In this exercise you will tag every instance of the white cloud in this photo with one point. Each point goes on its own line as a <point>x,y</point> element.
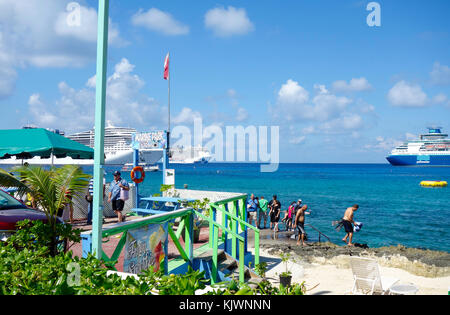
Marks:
<point>292,93</point>
<point>35,33</point>
<point>37,108</point>
<point>309,130</point>
<point>126,104</point>
<point>355,85</point>
<point>327,106</point>
<point>228,22</point>
<point>297,140</point>
<point>293,103</point>
<point>8,75</point>
<point>231,93</point>
<point>34,99</point>
<point>440,98</point>
<point>87,29</point>
<point>92,82</point>
<point>321,114</point>
<point>242,114</point>
<point>440,75</point>
<point>186,116</point>
<point>407,95</point>
<point>159,21</point>
<point>342,124</point>
<point>383,144</point>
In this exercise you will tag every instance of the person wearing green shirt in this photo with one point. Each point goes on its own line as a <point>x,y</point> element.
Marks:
<point>263,207</point>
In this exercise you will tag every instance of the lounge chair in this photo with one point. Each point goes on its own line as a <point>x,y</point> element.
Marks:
<point>367,279</point>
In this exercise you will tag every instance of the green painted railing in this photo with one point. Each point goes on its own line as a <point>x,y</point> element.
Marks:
<point>187,219</point>
<point>230,224</point>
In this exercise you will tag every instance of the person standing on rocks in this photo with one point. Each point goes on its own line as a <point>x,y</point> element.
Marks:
<point>300,224</point>
<point>274,213</point>
<point>347,223</point>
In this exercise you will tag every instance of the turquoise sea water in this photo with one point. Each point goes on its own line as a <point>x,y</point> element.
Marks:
<point>394,208</point>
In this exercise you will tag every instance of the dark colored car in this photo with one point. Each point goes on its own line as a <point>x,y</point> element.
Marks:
<point>13,211</point>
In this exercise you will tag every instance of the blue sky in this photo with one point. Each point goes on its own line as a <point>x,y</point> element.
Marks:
<point>340,91</point>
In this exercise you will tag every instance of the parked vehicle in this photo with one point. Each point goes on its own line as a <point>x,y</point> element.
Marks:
<point>13,211</point>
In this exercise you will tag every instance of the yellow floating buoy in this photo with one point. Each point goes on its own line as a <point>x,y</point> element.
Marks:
<point>433,183</point>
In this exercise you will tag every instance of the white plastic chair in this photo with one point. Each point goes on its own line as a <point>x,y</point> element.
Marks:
<point>367,278</point>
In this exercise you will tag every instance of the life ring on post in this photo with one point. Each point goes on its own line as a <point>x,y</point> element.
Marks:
<point>138,174</point>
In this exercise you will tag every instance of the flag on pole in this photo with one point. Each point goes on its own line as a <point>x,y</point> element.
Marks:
<point>166,68</point>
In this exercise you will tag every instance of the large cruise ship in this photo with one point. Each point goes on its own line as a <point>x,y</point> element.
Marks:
<point>118,150</point>
<point>431,149</point>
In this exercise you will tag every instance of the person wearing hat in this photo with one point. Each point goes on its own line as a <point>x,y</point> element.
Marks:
<point>115,188</point>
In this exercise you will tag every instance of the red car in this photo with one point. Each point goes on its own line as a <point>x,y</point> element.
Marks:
<point>13,211</point>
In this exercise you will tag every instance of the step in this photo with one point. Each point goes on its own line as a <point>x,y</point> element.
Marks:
<point>227,264</point>
<point>207,255</point>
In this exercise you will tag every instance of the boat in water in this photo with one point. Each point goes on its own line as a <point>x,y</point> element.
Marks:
<point>431,149</point>
<point>147,168</point>
<point>189,155</point>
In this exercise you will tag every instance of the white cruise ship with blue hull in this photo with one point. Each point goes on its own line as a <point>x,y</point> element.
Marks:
<point>432,149</point>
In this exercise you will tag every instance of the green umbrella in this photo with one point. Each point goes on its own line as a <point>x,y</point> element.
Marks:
<point>28,143</point>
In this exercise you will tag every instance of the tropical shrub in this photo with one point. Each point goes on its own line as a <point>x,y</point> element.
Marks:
<point>51,190</point>
<point>34,235</point>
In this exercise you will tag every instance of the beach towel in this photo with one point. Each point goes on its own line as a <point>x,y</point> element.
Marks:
<point>357,227</point>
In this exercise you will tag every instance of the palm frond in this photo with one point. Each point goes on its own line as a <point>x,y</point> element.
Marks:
<point>69,180</point>
<point>10,181</point>
<point>42,188</point>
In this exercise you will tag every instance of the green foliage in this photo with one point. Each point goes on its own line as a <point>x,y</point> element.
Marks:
<point>262,288</point>
<point>200,206</point>
<point>165,188</point>
<point>50,189</point>
<point>28,272</point>
<point>27,268</point>
<point>285,258</point>
<point>33,272</point>
<point>34,235</point>
<point>186,284</point>
<point>261,269</point>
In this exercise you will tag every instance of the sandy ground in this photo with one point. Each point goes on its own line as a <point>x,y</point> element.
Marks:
<point>337,279</point>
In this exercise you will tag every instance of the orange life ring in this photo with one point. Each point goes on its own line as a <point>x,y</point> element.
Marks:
<point>134,178</point>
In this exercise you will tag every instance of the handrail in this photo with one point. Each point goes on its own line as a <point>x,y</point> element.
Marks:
<point>121,227</point>
<point>217,207</point>
<point>231,199</point>
<point>218,225</point>
<point>214,266</point>
<point>124,227</point>
<point>320,233</point>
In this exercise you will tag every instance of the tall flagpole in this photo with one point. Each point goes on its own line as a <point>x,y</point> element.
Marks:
<point>167,155</point>
<point>168,82</point>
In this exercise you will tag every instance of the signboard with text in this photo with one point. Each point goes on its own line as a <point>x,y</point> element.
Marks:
<point>144,248</point>
<point>149,140</point>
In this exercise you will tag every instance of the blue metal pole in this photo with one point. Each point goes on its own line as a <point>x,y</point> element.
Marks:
<point>99,157</point>
<point>136,163</point>
<point>165,157</point>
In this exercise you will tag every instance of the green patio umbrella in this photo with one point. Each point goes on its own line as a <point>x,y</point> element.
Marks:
<point>28,143</point>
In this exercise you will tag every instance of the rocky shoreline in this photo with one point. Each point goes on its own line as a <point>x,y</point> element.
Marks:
<point>427,263</point>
